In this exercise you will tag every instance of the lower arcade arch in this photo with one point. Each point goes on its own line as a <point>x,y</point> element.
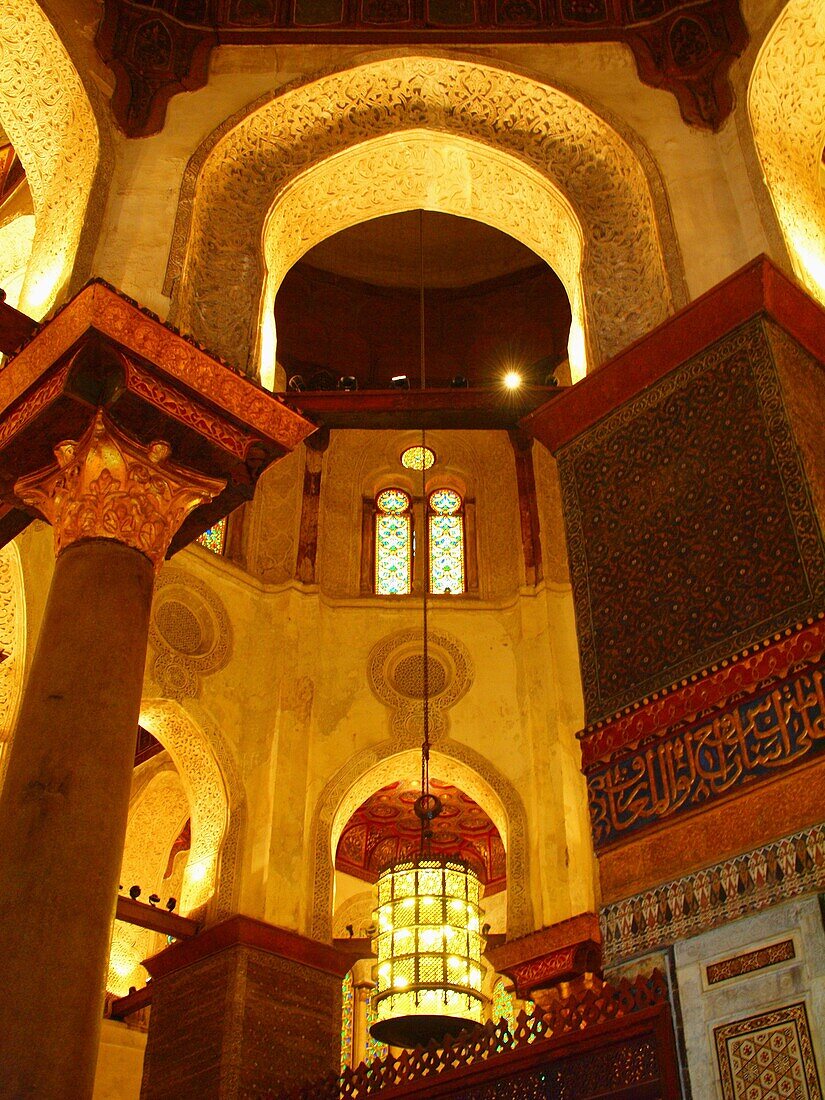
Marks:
<point>181,821</point>
<point>451,763</point>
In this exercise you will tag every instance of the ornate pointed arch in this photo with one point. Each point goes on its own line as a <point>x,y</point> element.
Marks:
<point>373,768</point>
<point>46,112</point>
<point>460,136</point>
<point>215,799</point>
<point>786,106</point>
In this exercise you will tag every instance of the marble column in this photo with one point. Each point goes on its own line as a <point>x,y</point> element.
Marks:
<point>115,505</point>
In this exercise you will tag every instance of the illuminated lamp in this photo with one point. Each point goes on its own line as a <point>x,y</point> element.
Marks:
<point>428,923</point>
<point>429,946</point>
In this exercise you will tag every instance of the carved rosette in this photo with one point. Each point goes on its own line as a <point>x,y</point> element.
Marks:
<point>108,486</point>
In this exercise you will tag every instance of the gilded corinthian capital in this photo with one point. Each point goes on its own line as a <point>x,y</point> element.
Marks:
<point>106,485</point>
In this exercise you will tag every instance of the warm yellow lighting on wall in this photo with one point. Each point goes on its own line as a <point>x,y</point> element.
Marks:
<point>429,948</point>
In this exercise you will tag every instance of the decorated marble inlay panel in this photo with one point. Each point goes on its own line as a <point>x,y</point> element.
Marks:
<point>690,526</point>
<point>750,962</point>
<point>709,759</point>
<point>768,1056</point>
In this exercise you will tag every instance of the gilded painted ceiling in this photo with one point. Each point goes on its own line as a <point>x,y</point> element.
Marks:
<point>385,828</point>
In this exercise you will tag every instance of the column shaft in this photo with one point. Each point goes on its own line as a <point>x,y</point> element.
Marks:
<point>63,812</point>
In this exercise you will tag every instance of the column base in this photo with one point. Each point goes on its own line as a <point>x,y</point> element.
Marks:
<point>244,1009</point>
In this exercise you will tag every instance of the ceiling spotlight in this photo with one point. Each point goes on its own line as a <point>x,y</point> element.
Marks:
<point>399,382</point>
<point>171,903</point>
<point>459,382</point>
<point>348,382</point>
<point>134,892</point>
<point>296,383</point>
<point>512,379</point>
<point>153,899</point>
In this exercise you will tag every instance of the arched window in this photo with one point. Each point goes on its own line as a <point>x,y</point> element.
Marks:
<point>393,543</point>
<point>445,526</point>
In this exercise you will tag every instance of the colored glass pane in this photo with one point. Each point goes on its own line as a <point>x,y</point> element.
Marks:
<point>393,543</point>
<point>375,1050</point>
<point>392,555</point>
<point>393,501</point>
<point>214,537</point>
<point>446,542</point>
<point>504,1006</point>
<point>347,1008</point>
<point>445,501</point>
<point>418,458</point>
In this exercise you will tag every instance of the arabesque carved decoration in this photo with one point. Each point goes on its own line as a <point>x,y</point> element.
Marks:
<point>452,762</point>
<point>190,633</point>
<point>194,756</point>
<point>160,47</point>
<point>457,134</point>
<point>451,673</point>
<point>106,485</point>
<point>786,103</point>
<point>49,120</point>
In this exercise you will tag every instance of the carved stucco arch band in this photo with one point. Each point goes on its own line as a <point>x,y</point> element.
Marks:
<point>786,104</point>
<point>47,115</point>
<point>481,123</point>
<point>452,762</point>
<point>201,776</point>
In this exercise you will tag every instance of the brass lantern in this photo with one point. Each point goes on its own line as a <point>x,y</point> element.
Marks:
<point>429,946</point>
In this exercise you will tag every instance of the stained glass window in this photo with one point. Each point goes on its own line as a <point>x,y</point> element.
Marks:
<point>446,524</point>
<point>417,458</point>
<point>347,1007</point>
<point>393,543</point>
<point>375,1050</point>
<point>214,537</point>
<point>504,1006</point>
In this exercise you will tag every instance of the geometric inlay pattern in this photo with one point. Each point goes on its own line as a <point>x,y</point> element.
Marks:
<point>750,962</point>
<point>768,1057</point>
<point>690,525</point>
<point>715,895</point>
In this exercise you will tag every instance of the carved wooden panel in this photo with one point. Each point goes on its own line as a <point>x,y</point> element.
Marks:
<point>160,47</point>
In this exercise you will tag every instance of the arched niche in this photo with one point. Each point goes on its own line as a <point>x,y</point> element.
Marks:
<point>452,762</point>
<point>158,812</point>
<point>206,792</point>
<point>47,115</point>
<point>786,107</point>
<point>459,136</point>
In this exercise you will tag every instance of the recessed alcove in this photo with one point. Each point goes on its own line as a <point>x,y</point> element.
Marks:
<point>351,306</point>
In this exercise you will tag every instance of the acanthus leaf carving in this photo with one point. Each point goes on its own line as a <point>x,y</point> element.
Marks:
<point>106,485</point>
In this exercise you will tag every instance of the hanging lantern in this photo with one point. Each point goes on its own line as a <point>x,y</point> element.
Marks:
<point>429,946</point>
<point>428,943</point>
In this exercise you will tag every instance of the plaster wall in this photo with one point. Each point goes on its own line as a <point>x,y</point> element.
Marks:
<point>119,1062</point>
<point>292,700</point>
